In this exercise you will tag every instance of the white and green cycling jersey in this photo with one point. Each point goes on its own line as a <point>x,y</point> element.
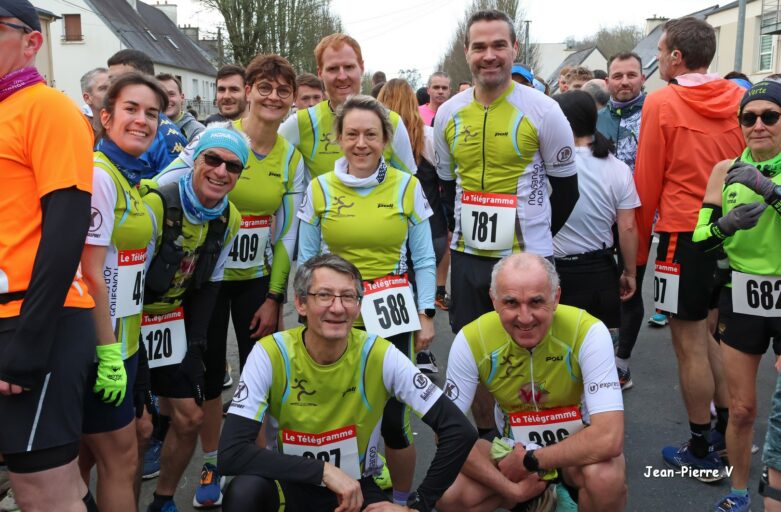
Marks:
<point>312,132</point>
<point>329,412</point>
<point>501,157</point>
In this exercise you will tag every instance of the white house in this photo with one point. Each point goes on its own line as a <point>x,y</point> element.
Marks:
<point>90,31</point>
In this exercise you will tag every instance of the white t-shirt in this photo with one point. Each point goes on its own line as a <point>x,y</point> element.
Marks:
<point>606,186</point>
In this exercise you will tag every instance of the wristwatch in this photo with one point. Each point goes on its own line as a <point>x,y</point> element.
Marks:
<point>530,462</point>
<point>430,312</point>
<point>414,502</point>
<point>279,298</point>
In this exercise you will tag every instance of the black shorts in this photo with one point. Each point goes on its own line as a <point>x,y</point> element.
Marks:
<point>51,416</point>
<point>592,284</point>
<point>101,417</point>
<point>749,334</point>
<point>312,498</point>
<point>470,281</point>
<point>697,271</point>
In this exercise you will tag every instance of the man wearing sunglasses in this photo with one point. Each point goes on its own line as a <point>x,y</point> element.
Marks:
<point>687,127</point>
<point>321,389</point>
<point>182,283</point>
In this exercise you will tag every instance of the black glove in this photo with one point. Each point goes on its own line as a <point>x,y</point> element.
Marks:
<point>193,368</point>
<point>749,176</point>
<point>743,216</point>
<point>142,389</point>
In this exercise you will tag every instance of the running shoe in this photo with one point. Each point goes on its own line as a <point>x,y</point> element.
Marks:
<point>658,320</point>
<point>625,379</point>
<point>227,380</point>
<point>707,469</point>
<point>209,490</point>
<point>383,480</point>
<point>426,362</point>
<point>168,506</point>
<point>8,504</point>
<point>442,301</point>
<point>719,445</point>
<point>733,503</point>
<point>152,459</point>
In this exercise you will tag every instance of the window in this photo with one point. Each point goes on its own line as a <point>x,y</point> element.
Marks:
<point>72,24</point>
<point>765,50</point>
<point>172,42</point>
<point>150,34</point>
<point>195,87</point>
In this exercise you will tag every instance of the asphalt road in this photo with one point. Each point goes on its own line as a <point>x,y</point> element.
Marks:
<point>655,417</point>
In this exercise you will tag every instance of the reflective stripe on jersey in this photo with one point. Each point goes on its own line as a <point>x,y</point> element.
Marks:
<point>132,232</point>
<point>318,144</point>
<point>522,380</point>
<point>510,147</point>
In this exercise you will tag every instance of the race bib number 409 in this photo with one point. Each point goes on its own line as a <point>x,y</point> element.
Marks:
<point>250,242</point>
<point>546,427</point>
<point>388,307</point>
<point>338,447</point>
<point>667,277</point>
<point>756,295</point>
<point>488,220</point>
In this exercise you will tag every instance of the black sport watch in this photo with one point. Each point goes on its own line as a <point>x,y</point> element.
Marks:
<point>414,502</point>
<point>430,312</point>
<point>530,462</point>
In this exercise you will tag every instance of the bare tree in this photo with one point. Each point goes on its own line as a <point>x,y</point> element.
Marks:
<point>291,28</point>
<point>611,40</point>
<point>453,62</point>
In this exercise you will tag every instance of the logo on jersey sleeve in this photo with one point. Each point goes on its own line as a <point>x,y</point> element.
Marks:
<point>95,221</point>
<point>451,390</point>
<point>594,388</point>
<point>564,154</point>
<point>420,381</point>
<point>241,393</point>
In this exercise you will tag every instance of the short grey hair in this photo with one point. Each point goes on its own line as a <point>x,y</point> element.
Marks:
<point>88,79</point>
<point>440,74</point>
<point>525,260</point>
<point>306,271</point>
<point>363,102</point>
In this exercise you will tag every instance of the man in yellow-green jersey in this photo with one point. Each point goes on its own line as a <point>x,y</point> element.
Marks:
<point>340,67</point>
<point>552,372</point>
<point>321,390</point>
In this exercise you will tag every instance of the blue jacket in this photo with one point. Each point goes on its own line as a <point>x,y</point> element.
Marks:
<point>622,126</point>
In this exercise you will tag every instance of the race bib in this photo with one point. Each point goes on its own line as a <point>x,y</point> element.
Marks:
<point>388,307</point>
<point>163,336</point>
<point>130,282</point>
<point>756,295</point>
<point>488,220</point>
<point>667,277</point>
<point>250,242</point>
<point>546,427</point>
<point>338,447</point>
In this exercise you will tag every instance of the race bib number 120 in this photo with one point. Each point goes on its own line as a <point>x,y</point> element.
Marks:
<point>667,277</point>
<point>488,220</point>
<point>164,338</point>
<point>546,427</point>
<point>388,307</point>
<point>338,447</point>
<point>756,295</point>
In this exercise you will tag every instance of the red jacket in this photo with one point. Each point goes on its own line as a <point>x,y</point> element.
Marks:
<point>685,131</point>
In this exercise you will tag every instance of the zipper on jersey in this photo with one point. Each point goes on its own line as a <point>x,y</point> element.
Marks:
<point>485,120</point>
<point>531,371</point>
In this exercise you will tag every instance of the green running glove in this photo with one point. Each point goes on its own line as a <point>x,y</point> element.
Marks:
<point>111,381</point>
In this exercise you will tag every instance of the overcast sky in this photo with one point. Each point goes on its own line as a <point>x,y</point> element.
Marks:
<point>403,34</point>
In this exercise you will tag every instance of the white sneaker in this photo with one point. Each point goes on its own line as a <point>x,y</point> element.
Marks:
<point>8,504</point>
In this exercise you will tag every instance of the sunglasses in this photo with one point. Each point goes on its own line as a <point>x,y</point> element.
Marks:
<point>283,91</point>
<point>231,166</point>
<point>769,118</point>
<point>23,28</point>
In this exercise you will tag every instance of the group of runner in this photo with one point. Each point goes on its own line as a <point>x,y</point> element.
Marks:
<point>119,279</point>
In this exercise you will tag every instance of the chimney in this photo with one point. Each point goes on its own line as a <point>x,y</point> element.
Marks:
<point>190,32</point>
<point>168,9</point>
<point>653,22</point>
<point>133,4</point>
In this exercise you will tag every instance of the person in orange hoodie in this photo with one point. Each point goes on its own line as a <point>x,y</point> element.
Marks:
<point>687,127</point>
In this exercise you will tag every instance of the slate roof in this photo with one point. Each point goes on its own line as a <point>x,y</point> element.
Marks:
<point>647,47</point>
<point>573,60</point>
<point>152,32</point>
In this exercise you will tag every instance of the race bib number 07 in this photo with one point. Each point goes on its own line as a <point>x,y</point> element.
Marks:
<point>488,220</point>
<point>163,337</point>
<point>130,282</point>
<point>250,242</point>
<point>388,307</point>
<point>338,447</point>
<point>546,427</point>
<point>756,295</point>
<point>667,277</point>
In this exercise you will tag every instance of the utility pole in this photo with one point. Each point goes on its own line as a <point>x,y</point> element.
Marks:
<point>526,42</point>
<point>739,37</point>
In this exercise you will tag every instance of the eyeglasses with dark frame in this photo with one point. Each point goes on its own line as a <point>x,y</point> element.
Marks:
<point>326,299</point>
<point>231,166</point>
<point>283,91</point>
<point>23,28</point>
<point>768,117</point>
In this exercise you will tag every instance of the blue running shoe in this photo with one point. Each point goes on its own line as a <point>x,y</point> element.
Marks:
<point>209,490</point>
<point>733,503</point>
<point>658,320</point>
<point>707,469</point>
<point>169,506</point>
<point>152,459</point>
